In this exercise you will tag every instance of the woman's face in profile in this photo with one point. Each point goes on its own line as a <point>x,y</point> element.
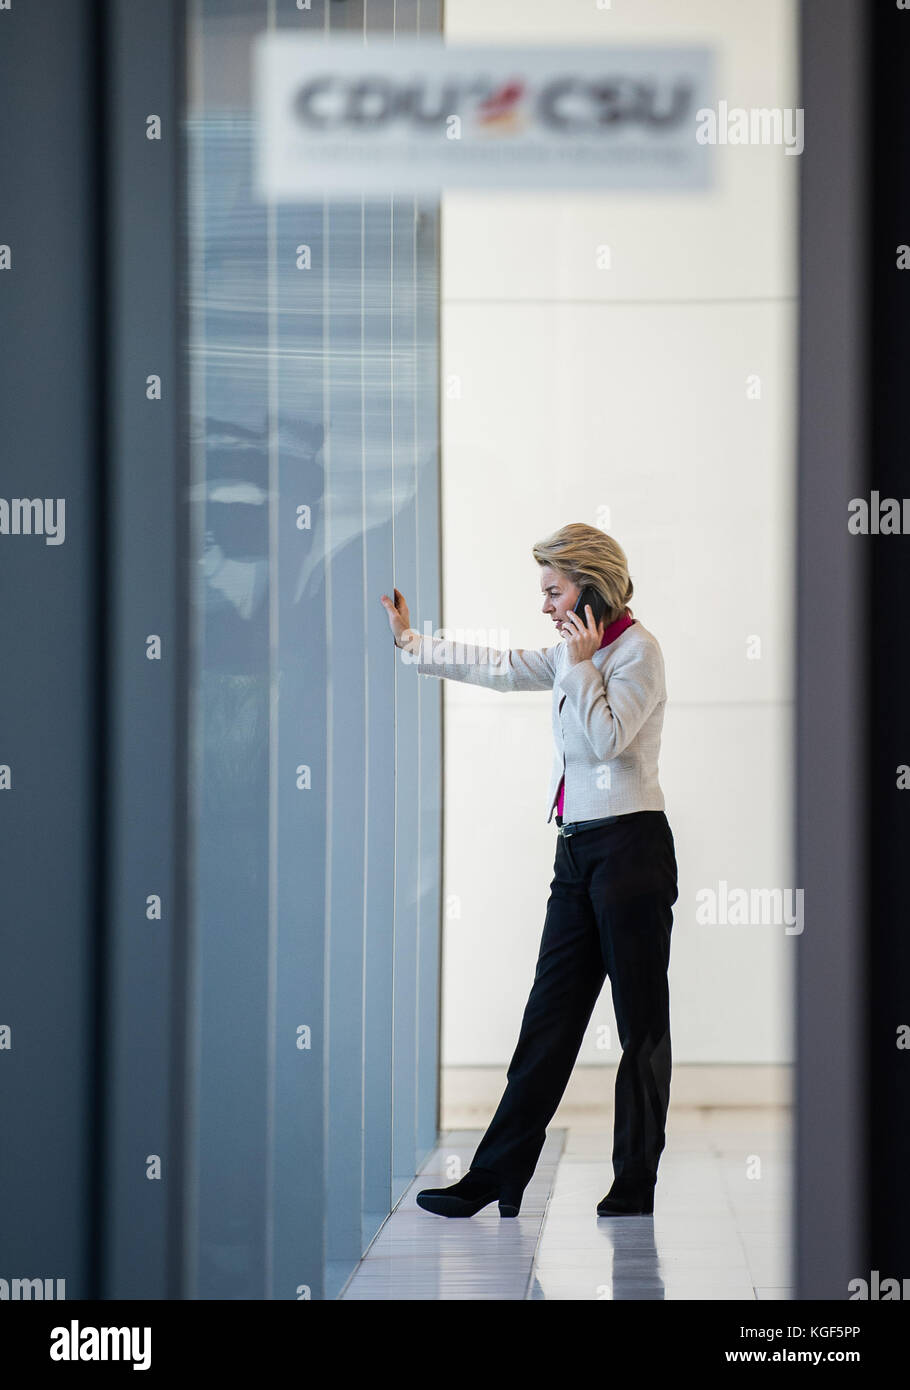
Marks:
<point>559,595</point>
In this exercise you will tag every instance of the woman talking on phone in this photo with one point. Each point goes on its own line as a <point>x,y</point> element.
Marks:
<point>615,879</point>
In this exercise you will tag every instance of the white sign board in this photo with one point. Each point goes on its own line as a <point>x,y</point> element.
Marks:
<point>338,116</point>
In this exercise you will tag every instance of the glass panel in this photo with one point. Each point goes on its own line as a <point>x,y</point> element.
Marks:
<point>316,877</point>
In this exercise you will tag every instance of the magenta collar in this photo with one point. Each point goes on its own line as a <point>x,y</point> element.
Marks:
<point>612,632</point>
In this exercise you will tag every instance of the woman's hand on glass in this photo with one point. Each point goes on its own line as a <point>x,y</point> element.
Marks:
<point>399,617</point>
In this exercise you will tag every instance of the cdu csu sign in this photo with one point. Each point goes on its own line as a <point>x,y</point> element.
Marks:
<point>337,116</point>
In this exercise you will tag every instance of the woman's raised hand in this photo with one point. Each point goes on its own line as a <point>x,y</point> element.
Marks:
<point>399,617</point>
<point>582,638</point>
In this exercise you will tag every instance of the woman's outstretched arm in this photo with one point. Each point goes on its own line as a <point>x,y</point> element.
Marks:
<point>515,668</point>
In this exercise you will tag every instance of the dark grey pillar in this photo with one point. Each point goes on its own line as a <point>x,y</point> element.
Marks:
<point>52,640</point>
<point>831,790</point>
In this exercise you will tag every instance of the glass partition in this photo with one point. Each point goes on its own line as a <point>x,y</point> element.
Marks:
<point>315,771</point>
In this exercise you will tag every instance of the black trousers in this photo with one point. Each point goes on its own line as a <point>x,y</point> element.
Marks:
<point>609,913</point>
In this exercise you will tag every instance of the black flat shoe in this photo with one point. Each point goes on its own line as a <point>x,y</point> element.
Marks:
<point>626,1206</point>
<point>477,1189</point>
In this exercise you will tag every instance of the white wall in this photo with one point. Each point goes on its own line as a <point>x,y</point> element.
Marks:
<point>618,397</point>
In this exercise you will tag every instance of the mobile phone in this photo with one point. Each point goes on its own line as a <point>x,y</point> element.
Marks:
<point>598,607</point>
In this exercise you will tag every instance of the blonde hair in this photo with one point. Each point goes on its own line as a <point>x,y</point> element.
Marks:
<point>588,556</point>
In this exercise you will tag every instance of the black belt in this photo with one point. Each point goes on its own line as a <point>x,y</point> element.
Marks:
<point>574,826</point>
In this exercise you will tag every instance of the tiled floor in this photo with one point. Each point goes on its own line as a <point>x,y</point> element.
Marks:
<point>720,1228</point>
<point>419,1255</point>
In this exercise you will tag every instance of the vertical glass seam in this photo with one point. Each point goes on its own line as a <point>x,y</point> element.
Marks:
<point>274,568</point>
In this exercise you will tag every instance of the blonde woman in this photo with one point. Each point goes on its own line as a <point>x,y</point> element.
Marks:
<point>615,879</point>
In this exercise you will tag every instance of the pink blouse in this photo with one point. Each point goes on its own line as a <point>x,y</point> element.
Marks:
<point>610,635</point>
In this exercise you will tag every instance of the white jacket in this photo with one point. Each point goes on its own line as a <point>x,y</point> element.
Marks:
<point>608,713</point>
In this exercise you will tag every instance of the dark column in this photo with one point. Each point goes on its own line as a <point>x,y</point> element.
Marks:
<point>886,649</point>
<point>830,733</point>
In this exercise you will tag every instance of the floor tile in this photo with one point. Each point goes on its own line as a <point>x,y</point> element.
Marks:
<point>716,1234</point>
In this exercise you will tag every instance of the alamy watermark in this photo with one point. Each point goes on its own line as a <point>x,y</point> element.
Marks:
<point>77,1343</point>
<point>750,907</point>
<point>34,516</point>
<point>875,1287</point>
<point>25,1290</point>
<point>486,647</point>
<point>757,125</point>
<point>888,516</point>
